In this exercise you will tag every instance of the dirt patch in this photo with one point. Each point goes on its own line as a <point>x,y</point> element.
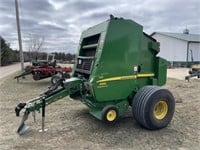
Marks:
<point>70,126</point>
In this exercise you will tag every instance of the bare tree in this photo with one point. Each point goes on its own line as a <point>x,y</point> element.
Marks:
<point>36,43</point>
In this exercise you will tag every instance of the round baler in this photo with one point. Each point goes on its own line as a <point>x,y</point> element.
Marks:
<point>116,67</point>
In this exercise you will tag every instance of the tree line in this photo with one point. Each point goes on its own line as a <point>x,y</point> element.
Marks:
<point>9,56</point>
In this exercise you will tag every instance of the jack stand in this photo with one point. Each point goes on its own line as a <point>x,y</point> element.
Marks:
<point>33,114</point>
<point>43,116</point>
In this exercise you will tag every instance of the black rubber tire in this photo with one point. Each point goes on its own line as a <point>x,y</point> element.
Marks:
<point>143,107</point>
<point>66,76</point>
<point>105,111</point>
<point>55,79</point>
<point>36,75</point>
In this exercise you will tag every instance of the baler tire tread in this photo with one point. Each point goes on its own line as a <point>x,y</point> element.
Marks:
<point>141,94</point>
<point>144,103</point>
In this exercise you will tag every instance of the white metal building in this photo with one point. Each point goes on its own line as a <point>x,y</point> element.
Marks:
<point>178,47</point>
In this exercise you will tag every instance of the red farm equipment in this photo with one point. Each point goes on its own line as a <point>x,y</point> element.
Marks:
<point>46,70</point>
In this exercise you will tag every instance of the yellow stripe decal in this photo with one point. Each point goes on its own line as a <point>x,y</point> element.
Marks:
<point>126,77</point>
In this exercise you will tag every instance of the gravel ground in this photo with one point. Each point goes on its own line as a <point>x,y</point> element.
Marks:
<point>70,126</point>
<point>8,70</point>
<point>177,73</point>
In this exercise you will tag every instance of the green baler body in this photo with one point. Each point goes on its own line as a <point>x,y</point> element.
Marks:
<point>115,59</point>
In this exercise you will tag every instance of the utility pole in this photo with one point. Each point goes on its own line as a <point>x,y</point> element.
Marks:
<point>19,36</point>
<point>30,47</point>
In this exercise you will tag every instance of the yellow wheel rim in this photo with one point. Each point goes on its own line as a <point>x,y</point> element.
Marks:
<point>111,115</point>
<point>160,110</point>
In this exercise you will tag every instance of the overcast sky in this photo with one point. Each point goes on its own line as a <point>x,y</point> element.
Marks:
<point>62,21</point>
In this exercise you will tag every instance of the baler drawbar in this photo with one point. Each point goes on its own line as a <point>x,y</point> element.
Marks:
<point>116,67</point>
<point>54,93</point>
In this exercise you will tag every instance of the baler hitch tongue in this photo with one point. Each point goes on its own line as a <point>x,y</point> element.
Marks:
<point>54,93</point>
<point>23,127</point>
<point>18,108</point>
<point>22,105</point>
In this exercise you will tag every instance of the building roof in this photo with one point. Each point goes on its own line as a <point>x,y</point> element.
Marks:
<point>181,36</point>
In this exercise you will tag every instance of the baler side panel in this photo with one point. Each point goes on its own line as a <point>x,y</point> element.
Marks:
<point>151,63</point>
<point>146,61</point>
<point>161,71</point>
<point>119,55</point>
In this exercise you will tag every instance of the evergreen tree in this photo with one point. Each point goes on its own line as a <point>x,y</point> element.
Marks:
<point>7,54</point>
